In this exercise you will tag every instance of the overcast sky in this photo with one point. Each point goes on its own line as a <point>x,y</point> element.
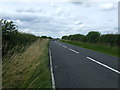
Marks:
<point>62,18</point>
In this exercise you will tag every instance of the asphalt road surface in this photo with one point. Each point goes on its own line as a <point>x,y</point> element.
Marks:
<point>75,67</point>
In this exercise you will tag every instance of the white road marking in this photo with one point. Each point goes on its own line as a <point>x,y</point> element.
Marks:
<point>52,75</point>
<point>73,50</point>
<point>103,65</point>
<point>55,66</point>
<point>55,41</point>
<point>64,46</point>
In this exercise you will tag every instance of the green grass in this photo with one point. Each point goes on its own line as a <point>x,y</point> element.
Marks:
<point>29,69</point>
<point>96,47</point>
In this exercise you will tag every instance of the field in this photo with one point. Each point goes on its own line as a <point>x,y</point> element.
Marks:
<point>97,47</point>
<point>29,69</point>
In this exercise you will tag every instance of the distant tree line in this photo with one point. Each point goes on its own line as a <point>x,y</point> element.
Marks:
<point>12,38</point>
<point>96,37</point>
<point>46,37</point>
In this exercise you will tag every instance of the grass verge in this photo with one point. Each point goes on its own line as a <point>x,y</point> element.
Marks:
<point>29,69</point>
<point>96,47</point>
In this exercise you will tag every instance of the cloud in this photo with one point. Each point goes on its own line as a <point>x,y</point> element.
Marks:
<point>59,11</point>
<point>82,25</point>
<point>18,16</point>
<point>83,3</point>
<point>77,22</point>
<point>18,22</point>
<point>53,4</point>
<point>59,1</point>
<point>28,18</point>
<point>37,33</point>
<point>58,19</point>
<point>28,10</point>
<point>107,6</point>
<point>77,3</point>
<point>37,24</point>
<point>25,30</point>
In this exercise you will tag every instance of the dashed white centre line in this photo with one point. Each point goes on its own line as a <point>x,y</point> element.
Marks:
<point>103,65</point>
<point>94,60</point>
<point>73,50</point>
<point>64,46</point>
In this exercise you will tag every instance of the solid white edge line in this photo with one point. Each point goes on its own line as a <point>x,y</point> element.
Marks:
<point>52,75</point>
<point>73,50</point>
<point>103,65</point>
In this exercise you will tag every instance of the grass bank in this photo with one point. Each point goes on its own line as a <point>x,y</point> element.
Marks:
<point>29,69</point>
<point>96,47</point>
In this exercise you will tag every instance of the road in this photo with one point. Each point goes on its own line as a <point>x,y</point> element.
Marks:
<point>75,67</point>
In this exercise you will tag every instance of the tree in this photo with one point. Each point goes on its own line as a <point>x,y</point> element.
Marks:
<point>65,37</point>
<point>96,37</point>
<point>11,37</point>
<point>8,27</point>
<point>50,38</point>
<point>111,39</point>
<point>93,37</point>
<point>43,36</point>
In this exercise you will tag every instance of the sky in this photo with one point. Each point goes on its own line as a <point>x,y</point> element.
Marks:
<point>57,19</point>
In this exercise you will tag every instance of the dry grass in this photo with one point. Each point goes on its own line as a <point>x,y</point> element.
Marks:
<point>28,69</point>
